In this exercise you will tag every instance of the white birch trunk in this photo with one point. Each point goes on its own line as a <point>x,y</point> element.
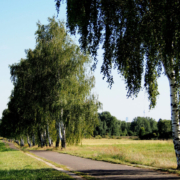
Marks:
<point>174,100</point>
<point>63,140</point>
<point>175,118</point>
<point>28,141</point>
<point>22,142</point>
<point>45,138</point>
<point>59,126</point>
<point>42,141</point>
<point>49,139</point>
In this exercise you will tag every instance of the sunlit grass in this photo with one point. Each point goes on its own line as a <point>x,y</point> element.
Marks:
<point>155,153</point>
<point>17,165</point>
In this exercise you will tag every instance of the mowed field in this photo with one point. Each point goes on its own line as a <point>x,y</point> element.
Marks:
<point>155,153</point>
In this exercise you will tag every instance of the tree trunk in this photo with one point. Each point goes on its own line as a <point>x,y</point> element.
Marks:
<point>22,142</point>
<point>49,139</point>
<point>174,111</point>
<point>28,141</point>
<point>58,133</point>
<point>33,140</point>
<point>42,140</point>
<point>175,118</point>
<point>63,140</point>
<point>45,138</point>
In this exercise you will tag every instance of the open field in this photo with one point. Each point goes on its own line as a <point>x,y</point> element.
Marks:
<point>17,165</point>
<point>154,153</point>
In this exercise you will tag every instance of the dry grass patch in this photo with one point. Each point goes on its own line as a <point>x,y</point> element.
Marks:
<point>154,153</point>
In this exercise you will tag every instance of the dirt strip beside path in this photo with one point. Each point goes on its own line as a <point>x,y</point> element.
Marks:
<point>104,170</point>
<point>11,145</point>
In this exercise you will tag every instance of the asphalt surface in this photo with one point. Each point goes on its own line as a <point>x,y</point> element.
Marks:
<point>104,170</point>
<point>100,169</point>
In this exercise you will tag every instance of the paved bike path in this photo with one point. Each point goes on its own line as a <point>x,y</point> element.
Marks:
<point>104,170</point>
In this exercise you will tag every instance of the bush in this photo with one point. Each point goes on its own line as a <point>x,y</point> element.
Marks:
<point>142,132</point>
<point>98,137</point>
<point>106,136</point>
<point>116,137</point>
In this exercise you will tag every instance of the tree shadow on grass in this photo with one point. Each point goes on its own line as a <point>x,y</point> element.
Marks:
<point>4,148</point>
<point>136,174</point>
<point>28,174</point>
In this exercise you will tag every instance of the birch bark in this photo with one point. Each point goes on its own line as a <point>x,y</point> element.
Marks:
<point>28,141</point>
<point>42,140</point>
<point>174,100</point>
<point>49,139</point>
<point>22,142</point>
<point>45,138</point>
<point>175,118</point>
<point>63,140</point>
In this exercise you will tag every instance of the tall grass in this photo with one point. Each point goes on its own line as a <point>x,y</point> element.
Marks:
<point>153,153</point>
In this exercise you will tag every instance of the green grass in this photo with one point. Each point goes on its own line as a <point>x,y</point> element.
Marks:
<point>17,165</point>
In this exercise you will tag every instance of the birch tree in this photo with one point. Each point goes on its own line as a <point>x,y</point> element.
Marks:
<point>134,34</point>
<point>50,84</point>
<point>70,84</point>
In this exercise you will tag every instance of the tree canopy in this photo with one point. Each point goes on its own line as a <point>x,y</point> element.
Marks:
<point>129,31</point>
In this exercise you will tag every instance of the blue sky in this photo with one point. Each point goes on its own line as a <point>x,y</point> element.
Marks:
<point>18,20</point>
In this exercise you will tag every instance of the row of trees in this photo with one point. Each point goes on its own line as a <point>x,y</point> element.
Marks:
<point>51,99</point>
<point>144,127</point>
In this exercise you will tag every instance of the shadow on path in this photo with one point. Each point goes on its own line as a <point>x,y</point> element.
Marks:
<point>129,175</point>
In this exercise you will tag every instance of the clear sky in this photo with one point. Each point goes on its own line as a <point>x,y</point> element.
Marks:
<point>18,20</point>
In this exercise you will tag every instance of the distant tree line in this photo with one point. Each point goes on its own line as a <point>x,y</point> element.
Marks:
<point>143,127</point>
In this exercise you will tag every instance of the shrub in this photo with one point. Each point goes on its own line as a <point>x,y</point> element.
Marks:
<point>98,137</point>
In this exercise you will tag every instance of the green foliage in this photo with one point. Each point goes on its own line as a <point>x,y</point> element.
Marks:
<point>108,125</point>
<point>165,129</point>
<point>128,30</point>
<point>144,127</point>
<point>52,84</point>
<point>142,132</point>
<point>149,125</point>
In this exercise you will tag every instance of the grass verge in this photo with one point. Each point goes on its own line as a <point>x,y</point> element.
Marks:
<point>16,165</point>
